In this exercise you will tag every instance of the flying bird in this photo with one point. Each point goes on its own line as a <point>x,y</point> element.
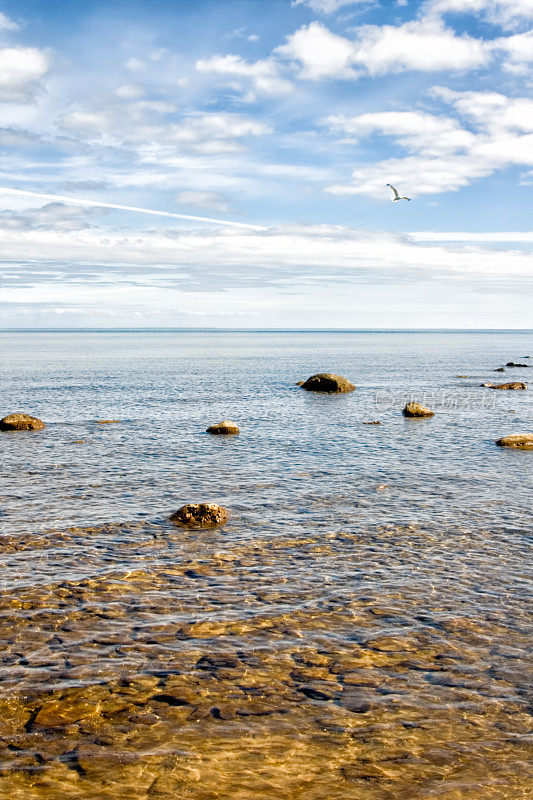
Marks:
<point>396,195</point>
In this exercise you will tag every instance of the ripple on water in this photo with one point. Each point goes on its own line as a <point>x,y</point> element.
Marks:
<point>337,664</point>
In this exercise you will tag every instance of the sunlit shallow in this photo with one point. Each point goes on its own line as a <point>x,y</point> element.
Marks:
<point>358,630</point>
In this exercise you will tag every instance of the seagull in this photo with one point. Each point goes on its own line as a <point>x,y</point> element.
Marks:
<point>396,195</point>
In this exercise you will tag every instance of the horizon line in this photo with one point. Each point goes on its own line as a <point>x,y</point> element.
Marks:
<point>215,329</point>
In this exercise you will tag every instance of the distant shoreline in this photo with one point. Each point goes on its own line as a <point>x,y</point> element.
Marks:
<point>267,330</point>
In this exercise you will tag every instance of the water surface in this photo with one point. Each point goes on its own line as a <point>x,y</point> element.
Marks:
<point>358,629</point>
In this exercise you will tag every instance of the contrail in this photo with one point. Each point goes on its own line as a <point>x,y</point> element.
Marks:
<point>97,204</point>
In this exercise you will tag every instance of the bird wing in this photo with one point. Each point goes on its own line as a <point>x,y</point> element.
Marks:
<point>405,198</point>
<point>395,190</point>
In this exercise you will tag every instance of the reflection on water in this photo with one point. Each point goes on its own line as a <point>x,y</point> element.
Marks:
<point>358,630</point>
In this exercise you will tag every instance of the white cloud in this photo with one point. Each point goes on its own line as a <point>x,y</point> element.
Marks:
<point>517,50</point>
<point>443,156</point>
<point>491,111</point>
<point>135,64</point>
<point>326,6</point>
<point>421,44</point>
<point>144,126</point>
<point>415,175</point>
<point>130,91</point>
<point>52,216</point>
<point>417,45</point>
<point>414,130</point>
<point>214,127</point>
<point>90,122</point>
<point>21,70</point>
<point>7,24</point>
<point>263,75</point>
<point>513,237</point>
<point>201,199</point>
<point>507,13</point>
<point>319,53</point>
<point>279,251</point>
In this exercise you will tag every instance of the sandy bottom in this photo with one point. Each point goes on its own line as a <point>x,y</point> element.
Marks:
<point>287,668</point>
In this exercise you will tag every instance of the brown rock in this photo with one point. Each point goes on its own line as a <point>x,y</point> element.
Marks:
<point>106,421</point>
<point>513,385</point>
<point>374,422</point>
<point>200,515</point>
<point>63,712</point>
<point>20,422</point>
<point>523,441</point>
<point>215,661</point>
<point>327,382</point>
<point>512,364</point>
<point>499,369</point>
<point>417,410</point>
<point>224,428</point>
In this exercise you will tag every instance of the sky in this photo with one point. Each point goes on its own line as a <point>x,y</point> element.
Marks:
<point>266,131</point>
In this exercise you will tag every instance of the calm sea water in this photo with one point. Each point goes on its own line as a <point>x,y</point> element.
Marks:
<point>296,449</point>
<point>340,533</point>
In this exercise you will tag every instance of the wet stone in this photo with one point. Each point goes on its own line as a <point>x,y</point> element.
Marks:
<point>522,441</point>
<point>57,713</point>
<point>224,428</point>
<point>21,422</point>
<point>218,661</point>
<point>327,382</point>
<point>417,410</point>
<point>200,516</point>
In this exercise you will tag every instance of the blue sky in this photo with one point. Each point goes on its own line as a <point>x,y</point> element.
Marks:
<point>288,116</point>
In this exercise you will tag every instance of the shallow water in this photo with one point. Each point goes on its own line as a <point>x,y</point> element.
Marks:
<point>359,628</point>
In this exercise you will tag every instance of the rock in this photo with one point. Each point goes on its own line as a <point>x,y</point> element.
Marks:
<point>313,693</point>
<point>513,385</point>
<point>356,702</point>
<point>200,515</point>
<point>224,428</point>
<point>63,712</point>
<point>512,364</point>
<point>327,382</point>
<point>20,422</point>
<point>374,422</point>
<point>106,421</point>
<point>499,369</point>
<point>417,410</point>
<point>218,661</point>
<point>520,441</point>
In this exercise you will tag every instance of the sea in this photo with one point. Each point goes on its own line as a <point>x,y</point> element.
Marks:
<point>360,626</point>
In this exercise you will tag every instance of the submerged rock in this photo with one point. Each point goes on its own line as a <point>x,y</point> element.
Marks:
<point>20,422</point>
<point>200,515</point>
<point>512,364</point>
<point>513,385</point>
<point>417,410</point>
<point>327,382</point>
<point>374,422</point>
<point>499,369</point>
<point>518,441</point>
<point>224,428</point>
<point>64,711</point>
<point>106,421</point>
